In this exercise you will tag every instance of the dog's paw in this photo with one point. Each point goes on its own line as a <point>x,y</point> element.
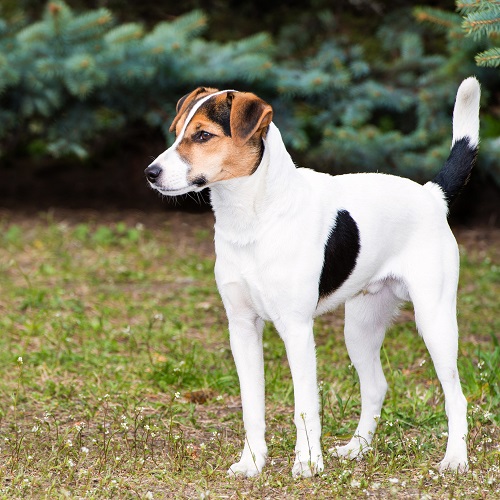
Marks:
<point>246,467</point>
<point>454,464</point>
<point>307,468</point>
<point>243,469</point>
<point>352,450</point>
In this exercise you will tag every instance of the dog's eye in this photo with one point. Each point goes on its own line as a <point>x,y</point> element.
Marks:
<point>202,136</point>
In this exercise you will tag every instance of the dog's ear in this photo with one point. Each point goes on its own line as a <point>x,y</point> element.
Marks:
<point>184,102</point>
<point>249,114</point>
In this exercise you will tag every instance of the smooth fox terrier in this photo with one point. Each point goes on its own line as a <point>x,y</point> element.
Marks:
<point>292,244</point>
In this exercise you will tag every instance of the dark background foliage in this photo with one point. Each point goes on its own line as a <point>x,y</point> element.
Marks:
<point>356,86</point>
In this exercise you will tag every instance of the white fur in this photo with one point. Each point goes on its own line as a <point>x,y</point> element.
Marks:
<point>270,233</point>
<point>465,116</point>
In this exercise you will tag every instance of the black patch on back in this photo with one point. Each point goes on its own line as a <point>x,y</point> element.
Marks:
<point>341,253</point>
<point>456,171</point>
<point>219,112</point>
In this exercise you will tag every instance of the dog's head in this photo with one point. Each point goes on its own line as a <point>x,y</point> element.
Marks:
<point>218,137</point>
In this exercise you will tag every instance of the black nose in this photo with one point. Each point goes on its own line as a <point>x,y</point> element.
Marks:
<point>152,173</point>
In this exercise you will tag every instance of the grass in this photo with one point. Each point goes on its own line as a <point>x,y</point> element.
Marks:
<point>116,379</point>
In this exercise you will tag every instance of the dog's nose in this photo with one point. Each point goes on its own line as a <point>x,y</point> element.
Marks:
<point>152,173</point>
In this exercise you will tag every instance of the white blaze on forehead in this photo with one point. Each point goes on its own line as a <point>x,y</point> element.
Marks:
<point>194,109</point>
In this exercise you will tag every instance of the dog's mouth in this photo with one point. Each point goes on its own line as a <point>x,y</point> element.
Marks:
<point>176,192</point>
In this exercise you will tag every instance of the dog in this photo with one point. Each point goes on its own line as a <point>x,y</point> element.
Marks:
<point>292,243</point>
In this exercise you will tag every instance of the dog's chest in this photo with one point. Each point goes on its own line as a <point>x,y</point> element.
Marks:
<point>270,275</point>
<point>244,278</point>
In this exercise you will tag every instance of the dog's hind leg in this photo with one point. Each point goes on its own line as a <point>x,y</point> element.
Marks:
<point>435,315</point>
<point>366,320</point>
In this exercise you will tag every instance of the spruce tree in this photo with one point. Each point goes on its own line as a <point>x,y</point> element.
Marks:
<point>72,78</point>
<point>475,24</point>
<point>482,20</point>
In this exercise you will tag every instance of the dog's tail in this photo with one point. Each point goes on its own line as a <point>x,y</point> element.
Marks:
<point>456,171</point>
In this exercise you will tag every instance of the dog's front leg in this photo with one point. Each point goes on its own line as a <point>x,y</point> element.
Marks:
<point>245,330</point>
<point>301,353</point>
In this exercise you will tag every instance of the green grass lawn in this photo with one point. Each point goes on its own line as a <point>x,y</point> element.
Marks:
<point>116,378</point>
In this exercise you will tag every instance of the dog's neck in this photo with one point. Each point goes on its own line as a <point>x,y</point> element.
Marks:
<point>241,204</point>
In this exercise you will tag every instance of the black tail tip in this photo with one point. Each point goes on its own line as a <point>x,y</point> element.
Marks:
<point>457,170</point>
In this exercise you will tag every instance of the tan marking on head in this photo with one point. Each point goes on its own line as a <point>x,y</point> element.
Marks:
<point>242,115</point>
<point>250,115</point>
<point>185,103</point>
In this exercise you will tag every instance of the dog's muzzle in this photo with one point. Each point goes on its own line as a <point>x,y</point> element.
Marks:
<point>152,173</point>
